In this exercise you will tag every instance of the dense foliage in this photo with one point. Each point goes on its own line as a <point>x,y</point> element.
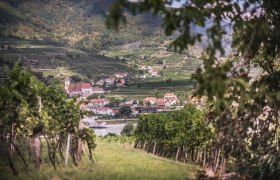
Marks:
<point>126,111</point>
<point>180,134</point>
<point>31,111</point>
<point>127,130</point>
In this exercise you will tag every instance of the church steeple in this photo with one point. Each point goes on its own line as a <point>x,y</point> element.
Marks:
<point>67,82</point>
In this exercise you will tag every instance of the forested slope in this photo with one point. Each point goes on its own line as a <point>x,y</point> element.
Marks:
<point>73,23</point>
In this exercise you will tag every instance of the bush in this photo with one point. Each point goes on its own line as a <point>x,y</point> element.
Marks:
<point>93,96</point>
<point>76,78</point>
<point>110,134</point>
<point>127,129</point>
<point>117,115</point>
<point>141,71</point>
<point>160,62</point>
<point>126,111</point>
<point>111,137</point>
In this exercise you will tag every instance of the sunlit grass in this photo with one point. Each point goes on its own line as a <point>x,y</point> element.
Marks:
<point>113,161</point>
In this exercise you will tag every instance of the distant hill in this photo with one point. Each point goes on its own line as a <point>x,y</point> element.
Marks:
<point>74,23</point>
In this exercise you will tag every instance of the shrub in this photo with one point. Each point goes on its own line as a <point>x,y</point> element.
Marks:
<point>160,62</point>
<point>76,78</point>
<point>127,129</point>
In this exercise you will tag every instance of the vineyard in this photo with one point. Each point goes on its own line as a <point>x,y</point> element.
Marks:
<point>32,112</point>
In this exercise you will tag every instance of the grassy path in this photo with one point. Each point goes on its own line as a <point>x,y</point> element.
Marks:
<point>113,161</point>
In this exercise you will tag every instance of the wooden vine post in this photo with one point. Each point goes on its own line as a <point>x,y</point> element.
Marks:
<point>67,148</point>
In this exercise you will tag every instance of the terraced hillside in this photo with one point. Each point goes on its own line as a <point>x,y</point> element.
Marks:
<point>61,61</point>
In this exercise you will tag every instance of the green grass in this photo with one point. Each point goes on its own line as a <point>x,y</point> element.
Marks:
<point>113,161</point>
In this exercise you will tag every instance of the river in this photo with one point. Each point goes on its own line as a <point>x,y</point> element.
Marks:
<point>111,128</point>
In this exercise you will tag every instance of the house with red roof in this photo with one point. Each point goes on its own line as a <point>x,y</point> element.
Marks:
<point>80,89</point>
<point>160,101</point>
<point>151,100</point>
<point>83,89</point>
<point>171,98</point>
<point>99,83</point>
<point>121,83</point>
<point>100,102</point>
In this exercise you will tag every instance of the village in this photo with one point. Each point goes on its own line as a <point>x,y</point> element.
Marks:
<point>93,98</point>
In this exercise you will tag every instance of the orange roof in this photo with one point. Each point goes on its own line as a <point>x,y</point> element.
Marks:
<point>97,89</point>
<point>149,99</point>
<point>160,101</point>
<point>79,86</point>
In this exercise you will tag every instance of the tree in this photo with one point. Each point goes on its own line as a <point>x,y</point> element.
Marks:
<point>29,109</point>
<point>25,117</point>
<point>76,78</point>
<point>104,84</point>
<point>127,129</point>
<point>141,103</point>
<point>141,71</point>
<point>114,102</point>
<point>160,62</point>
<point>126,111</point>
<point>244,114</point>
<point>178,133</point>
<point>168,81</point>
<point>117,115</point>
<point>93,96</point>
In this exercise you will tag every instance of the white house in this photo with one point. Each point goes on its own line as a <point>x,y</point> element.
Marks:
<point>97,90</point>
<point>100,102</point>
<point>121,74</point>
<point>153,72</point>
<point>110,81</point>
<point>143,76</point>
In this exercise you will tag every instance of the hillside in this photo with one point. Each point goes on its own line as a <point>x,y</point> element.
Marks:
<point>113,161</point>
<point>74,23</point>
<point>64,38</point>
<point>60,61</point>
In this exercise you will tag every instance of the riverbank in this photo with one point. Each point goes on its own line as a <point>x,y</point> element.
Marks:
<point>117,121</point>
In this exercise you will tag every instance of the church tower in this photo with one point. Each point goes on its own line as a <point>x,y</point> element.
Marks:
<point>67,83</point>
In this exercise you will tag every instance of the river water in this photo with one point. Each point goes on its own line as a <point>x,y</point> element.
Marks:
<point>111,128</point>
